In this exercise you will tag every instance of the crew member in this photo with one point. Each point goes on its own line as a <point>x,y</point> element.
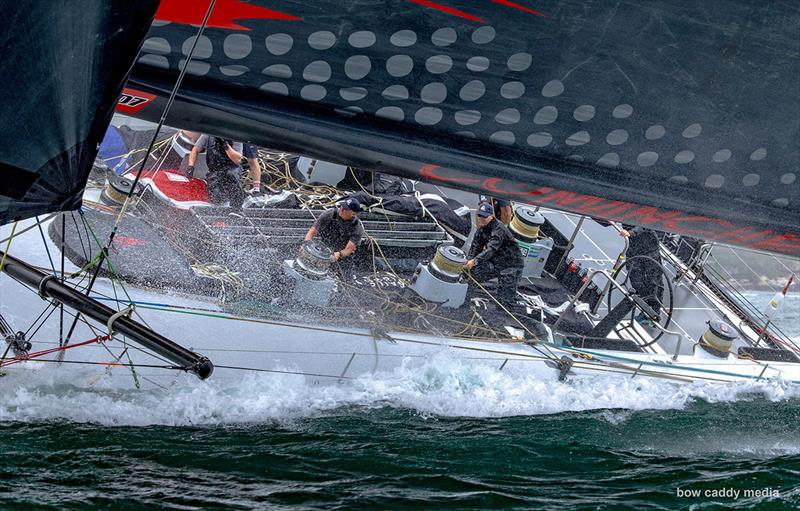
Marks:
<point>340,229</point>
<point>644,265</point>
<point>503,209</point>
<point>495,254</point>
<point>224,178</point>
<point>250,152</point>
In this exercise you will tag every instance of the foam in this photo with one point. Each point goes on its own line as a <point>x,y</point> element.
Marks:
<point>441,387</point>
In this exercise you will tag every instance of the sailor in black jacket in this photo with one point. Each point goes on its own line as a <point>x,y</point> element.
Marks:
<point>495,254</point>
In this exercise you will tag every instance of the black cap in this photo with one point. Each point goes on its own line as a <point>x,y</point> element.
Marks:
<point>351,204</point>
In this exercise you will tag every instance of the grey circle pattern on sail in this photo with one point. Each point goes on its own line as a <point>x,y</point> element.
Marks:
<point>684,156</point>
<point>278,71</point>
<point>512,90</point>
<point>715,181</point>
<point>541,139</point>
<point>519,61</point>
<point>157,45</point>
<point>155,61</point>
<point>692,131</point>
<point>196,67</point>
<point>584,113</point>
<point>353,93</point>
<point>233,70</point>
<point>237,46</point>
<point>647,159</point>
<point>655,132</point>
<point>203,50</point>
<point>478,64</point>
<point>546,115</point>
<point>428,116</point>
<point>361,39</point>
<point>318,71</point>
<point>578,138</point>
<point>781,203</point>
<point>507,116</point>
<point>322,40</point>
<point>467,117</point>
<point>279,44</point>
<point>622,111</point>
<point>617,137</point>
<point>444,36</point>
<point>399,65</point>
<point>275,88</point>
<point>502,137</point>
<point>609,160</point>
<point>482,92</point>
<point>391,112</point>
<point>788,178</point>
<point>472,90</point>
<point>751,179</point>
<point>357,67</point>
<point>722,155</point>
<point>681,180</point>
<point>439,64</point>
<point>395,92</point>
<point>433,92</point>
<point>483,35</point>
<point>403,38</point>
<point>313,92</point>
<point>552,89</point>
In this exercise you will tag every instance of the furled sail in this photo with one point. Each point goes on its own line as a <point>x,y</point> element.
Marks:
<point>681,116</point>
<point>63,67</point>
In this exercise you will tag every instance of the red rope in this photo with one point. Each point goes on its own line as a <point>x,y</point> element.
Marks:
<point>37,354</point>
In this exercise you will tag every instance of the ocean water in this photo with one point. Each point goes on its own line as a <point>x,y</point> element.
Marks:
<point>442,436</point>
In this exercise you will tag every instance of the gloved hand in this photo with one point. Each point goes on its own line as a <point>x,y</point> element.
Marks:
<point>189,172</point>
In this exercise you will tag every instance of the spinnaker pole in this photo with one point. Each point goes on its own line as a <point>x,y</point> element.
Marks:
<point>48,286</point>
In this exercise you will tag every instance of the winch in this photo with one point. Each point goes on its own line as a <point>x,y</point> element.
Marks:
<point>718,339</point>
<point>525,227</point>
<point>526,223</point>
<point>441,281</point>
<point>313,283</point>
<point>117,190</point>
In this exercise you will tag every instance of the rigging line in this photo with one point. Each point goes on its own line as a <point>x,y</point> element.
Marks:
<point>8,245</point>
<point>43,322</point>
<point>173,93</point>
<point>61,305</point>
<point>240,368</point>
<point>535,337</point>
<point>23,231</point>
<point>749,268</point>
<point>46,248</point>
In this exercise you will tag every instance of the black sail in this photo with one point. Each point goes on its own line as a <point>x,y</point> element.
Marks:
<point>64,64</point>
<point>683,116</point>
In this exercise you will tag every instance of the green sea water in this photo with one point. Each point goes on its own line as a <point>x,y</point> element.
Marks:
<point>444,436</point>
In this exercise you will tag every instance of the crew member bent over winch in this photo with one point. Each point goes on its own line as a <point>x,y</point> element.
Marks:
<point>340,229</point>
<point>494,253</point>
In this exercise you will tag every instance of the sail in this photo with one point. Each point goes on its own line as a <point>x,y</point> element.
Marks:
<point>63,66</point>
<point>681,116</point>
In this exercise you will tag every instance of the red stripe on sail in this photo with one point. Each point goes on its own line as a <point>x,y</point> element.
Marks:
<point>520,7</point>
<point>224,15</point>
<point>446,9</point>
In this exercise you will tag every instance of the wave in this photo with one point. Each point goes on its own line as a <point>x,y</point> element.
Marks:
<point>442,387</point>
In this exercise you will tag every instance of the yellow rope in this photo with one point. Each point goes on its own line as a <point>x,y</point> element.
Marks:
<point>8,245</point>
